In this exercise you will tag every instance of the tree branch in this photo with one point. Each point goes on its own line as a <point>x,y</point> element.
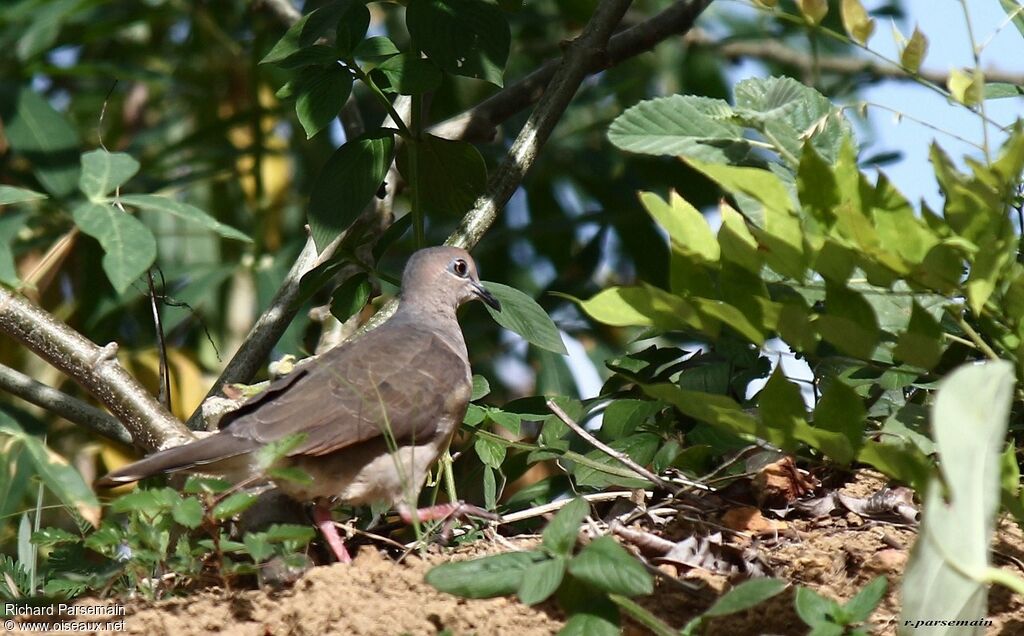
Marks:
<point>70,408</point>
<point>779,53</point>
<point>479,123</point>
<point>95,368</point>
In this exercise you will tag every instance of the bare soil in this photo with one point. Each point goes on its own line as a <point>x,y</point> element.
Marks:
<point>836,556</point>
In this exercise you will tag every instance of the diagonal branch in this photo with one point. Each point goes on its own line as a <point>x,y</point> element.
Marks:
<point>479,122</point>
<point>70,408</point>
<point>95,368</point>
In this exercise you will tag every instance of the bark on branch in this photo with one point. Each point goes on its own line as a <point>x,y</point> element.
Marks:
<point>93,367</point>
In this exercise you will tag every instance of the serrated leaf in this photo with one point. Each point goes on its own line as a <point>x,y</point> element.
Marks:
<point>1002,90</point>
<point>257,545</point>
<point>183,211</point>
<point>464,37</point>
<point>129,246</point>
<point>540,581</point>
<point>560,534</point>
<point>347,183</point>
<point>644,306</point>
<point>233,505</point>
<point>606,565</point>
<point>48,537</point>
<point>103,172</point>
<point>188,512</point>
<point>486,577</point>
<point>682,125</point>
<point>522,315</point>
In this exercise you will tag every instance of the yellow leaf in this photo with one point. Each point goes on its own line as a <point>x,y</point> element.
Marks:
<point>814,11</point>
<point>967,87</point>
<point>913,53</point>
<point>856,21</point>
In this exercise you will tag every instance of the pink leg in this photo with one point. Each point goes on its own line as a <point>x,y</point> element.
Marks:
<point>455,510</point>
<point>323,520</point>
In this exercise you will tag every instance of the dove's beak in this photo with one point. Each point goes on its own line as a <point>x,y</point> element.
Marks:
<point>486,296</point>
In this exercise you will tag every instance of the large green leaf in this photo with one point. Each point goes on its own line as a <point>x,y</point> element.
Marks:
<point>540,581</point>
<point>410,74</point>
<point>42,135</point>
<point>347,184</point>
<point>464,37</point>
<point>486,577</point>
<point>695,127</point>
<point>946,577</point>
<point>686,226</point>
<point>308,30</point>
<point>185,212</point>
<point>522,314</point>
<point>606,565</point>
<point>321,92</point>
<point>12,194</point>
<point>54,471</point>
<point>450,175</point>
<point>561,532</point>
<point>129,246</point>
<point>103,172</point>
<point>645,306</point>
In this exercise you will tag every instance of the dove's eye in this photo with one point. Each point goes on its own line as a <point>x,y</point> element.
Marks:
<point>460,268</point>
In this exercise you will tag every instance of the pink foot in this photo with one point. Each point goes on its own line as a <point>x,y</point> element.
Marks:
<point>323,520</point>
<point>457,510</point>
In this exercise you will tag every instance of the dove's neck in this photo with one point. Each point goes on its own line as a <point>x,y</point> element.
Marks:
<point>437,317</point>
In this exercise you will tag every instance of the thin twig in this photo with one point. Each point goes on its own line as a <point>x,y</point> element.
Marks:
<point>70,408</point>
<point>623,458</point>
<point>151,426</point>
<point>554,506</point>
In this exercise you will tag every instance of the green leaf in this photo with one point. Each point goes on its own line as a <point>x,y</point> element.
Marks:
<point>559,536</point>
<point>183,211</point>
<point>644,306</point>
<point>38,132</point>
<point>410,74</point>
<point>103,172</point>
<point>188,512</point>
<point>12,194</point>
<point>849,322</point>
<point>307,31</point>
<point>622,417</point>
<point>129,246</point>
<point>841,410</point>
<point>689,126</point>
<point>746,595</point>
<point>966,86</point>
<point>48,537</point>
<point>859,608</point>
<point>481,387</point>
<point>282,532</point>
<point>607,566</point>
<point>490,451</point>
<point>464,37</point>
<point>641,448</point>
<point>258,547</point>
<point>347,184</point>
<point>686,226</point>
<point>375,48</point>
<point>946,577</point>
<point>292,474</point>
<point>922,342</point>
<point>11,224</point>
<point>352,28</point>
<point>1002,90</point>
<point>486,577</point>
<point>540,581</point>
<point>913,53</point>
<point>586,624</point>
<point>233,505</point>
<point>813,608</point>
<point>1015,12</point>
<point>452,175</point>
<point>508,421</point>
<point>522,314</point>
<point>322,91</point>
<point>351,296</point>
<point>56,473</point>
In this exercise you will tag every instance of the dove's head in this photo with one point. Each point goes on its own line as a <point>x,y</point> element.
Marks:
<point>444,276</point>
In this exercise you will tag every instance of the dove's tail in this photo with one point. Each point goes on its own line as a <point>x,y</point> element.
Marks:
<point>202,452</point>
